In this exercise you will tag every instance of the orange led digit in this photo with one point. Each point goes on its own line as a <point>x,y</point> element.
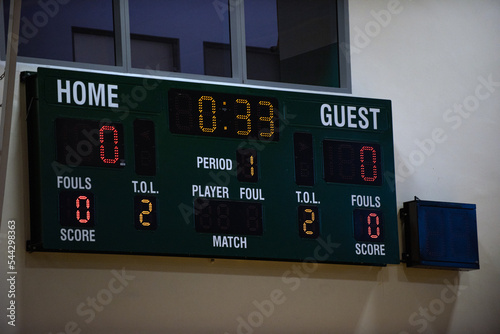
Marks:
<point>269,119</point>
<point>212,110</point>
<point>308,222</point>
<point>247,165</point>
<point>246,117</point>
<point>252,167</point>
<point>145,212</point>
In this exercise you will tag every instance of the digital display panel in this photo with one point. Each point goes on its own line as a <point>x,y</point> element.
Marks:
<point>145,208</point>
<point>368,225</point>
<point>89,143</point>
<point>308,221</point>
<point>304,159</point>
<point>76,208</point>
<point>228,217</point>
<point>223,115</point>
<point>137,165</point>
<point>350,162</point>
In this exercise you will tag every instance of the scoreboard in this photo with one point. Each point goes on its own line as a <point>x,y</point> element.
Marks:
<point>139,165</point>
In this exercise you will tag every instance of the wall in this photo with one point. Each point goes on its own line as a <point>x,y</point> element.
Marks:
<point>438,63</point>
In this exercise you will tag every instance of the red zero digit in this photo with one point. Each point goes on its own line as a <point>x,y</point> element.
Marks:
<point>371,163</point>
<point>102,149</point>
<point>78,210</point>
<point>373,219</point>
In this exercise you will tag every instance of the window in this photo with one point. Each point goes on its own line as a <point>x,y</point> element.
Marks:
<point>283,43</point>
<point>46,30</point>
<point>192,22</point>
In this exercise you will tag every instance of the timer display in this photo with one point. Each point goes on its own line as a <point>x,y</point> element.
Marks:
<point>223,115</point>
<point>136,165</point>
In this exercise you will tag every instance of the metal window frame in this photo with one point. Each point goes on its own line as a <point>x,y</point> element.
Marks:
<point>344,57</point>
<point>121,24</point>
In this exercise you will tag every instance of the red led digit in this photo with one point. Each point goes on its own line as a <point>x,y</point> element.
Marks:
<point>370,162</point>
<point>373,219</point>
<point>78,210</point>
<point>102,149</point>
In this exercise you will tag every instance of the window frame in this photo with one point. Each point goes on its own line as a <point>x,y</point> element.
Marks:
<point>123,61</point>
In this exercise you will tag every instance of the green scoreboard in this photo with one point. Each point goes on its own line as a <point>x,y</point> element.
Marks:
<point>140,165</point>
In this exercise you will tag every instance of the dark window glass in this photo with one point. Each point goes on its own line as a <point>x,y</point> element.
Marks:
<point>66,30</point>
<point>190,36</point>
<point>292,41</point>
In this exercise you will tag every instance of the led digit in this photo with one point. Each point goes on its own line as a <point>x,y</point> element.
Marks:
<point>211,113</point>
<point>145,213</point>
<point>245,116</point>
<point>368,225</point>
<point>76,208</point>
<point>246,160</point>
<point>308,222</point>
<point>102,147</point>
<point>371,162</point>
<point>269,119</point>
<point>81,142</point>
<point>351,162</point>
<point>373,229</point>
<point>85,208</point>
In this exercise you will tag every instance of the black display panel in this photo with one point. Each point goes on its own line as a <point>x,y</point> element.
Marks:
<point>89,143</point>
<point>368,225</point>
<point>352,162</point>
<point>145,147</point>
<point>304,159</point>
<point>223,115</point>
<point>76,209</point>
<point>228,217</point>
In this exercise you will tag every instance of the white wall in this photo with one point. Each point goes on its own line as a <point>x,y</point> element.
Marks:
<point>431,59</point>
